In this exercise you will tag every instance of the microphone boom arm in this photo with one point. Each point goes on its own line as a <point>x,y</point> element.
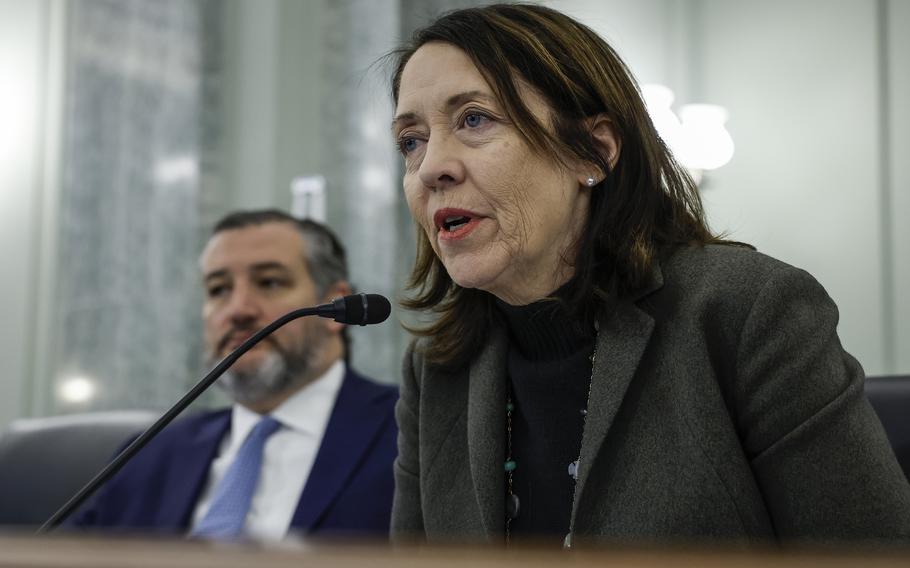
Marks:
<point>118,462</point>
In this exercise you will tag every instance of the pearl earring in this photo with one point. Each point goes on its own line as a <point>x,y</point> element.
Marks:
<point>591,181</point>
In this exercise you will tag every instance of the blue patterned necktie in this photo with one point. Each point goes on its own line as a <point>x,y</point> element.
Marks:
<point>227,514</point>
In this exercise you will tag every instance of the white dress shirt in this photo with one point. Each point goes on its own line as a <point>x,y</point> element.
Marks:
<point>287,458</point>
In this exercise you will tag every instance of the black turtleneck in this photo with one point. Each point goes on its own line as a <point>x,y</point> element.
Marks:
<point>549,371</point>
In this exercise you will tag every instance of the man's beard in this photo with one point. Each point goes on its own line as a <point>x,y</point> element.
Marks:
<point>281,370</point>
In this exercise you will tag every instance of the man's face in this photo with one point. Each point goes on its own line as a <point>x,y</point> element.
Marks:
<point>252,276</point>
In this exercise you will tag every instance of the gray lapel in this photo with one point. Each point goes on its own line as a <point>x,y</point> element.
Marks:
<point>621,341</point>
<point>486,430</point>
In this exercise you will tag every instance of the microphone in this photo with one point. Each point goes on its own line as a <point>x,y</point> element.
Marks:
<point>359,309</point>
<point>356,309</point>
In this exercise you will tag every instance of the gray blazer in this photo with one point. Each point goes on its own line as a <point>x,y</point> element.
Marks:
<point>722,407</point>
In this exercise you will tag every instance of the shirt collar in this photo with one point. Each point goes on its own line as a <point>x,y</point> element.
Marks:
<point>306,411</point>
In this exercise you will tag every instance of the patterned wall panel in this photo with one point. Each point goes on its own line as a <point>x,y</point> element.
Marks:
<point>129,218</point>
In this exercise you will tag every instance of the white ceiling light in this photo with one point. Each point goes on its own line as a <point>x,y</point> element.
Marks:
<point>77,389</point>
<point>659,100</point>
<point>707,143</point>
<point>698,138</point>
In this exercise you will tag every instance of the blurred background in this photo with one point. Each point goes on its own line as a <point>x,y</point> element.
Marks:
<point>127,127</point>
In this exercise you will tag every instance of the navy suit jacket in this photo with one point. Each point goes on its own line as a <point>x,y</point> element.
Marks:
<point>348,492</point>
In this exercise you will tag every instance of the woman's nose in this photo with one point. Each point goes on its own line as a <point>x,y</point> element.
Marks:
<point>442,164</point>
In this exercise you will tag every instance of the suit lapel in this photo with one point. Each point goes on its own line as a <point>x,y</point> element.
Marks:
<point>188,469</point>
<point>351,430</point>
<point>621,342</point>
<point>486,430</point>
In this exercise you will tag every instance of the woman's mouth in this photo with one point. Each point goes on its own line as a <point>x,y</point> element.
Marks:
<point>454,224</point>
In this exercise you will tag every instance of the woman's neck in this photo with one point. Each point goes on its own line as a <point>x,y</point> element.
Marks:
<point>545,330</point>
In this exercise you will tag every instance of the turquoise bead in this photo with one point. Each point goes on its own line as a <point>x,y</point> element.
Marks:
<point>511,465</point>
<point>510,407</point>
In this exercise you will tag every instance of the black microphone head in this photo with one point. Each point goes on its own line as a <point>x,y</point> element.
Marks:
<point>362,309</point>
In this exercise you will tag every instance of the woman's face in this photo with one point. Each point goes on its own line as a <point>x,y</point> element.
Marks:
<point>501,217</point>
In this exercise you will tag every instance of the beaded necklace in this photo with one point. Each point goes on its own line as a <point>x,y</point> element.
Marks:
<point>513,504</point>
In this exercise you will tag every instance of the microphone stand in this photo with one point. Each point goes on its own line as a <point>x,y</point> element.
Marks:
<point>140,442</point>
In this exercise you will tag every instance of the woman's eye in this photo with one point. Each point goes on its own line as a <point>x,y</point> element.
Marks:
<point>408,142</point>
<point>473,120</point>
<point>407,145</point>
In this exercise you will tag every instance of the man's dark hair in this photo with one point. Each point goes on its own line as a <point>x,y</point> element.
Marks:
<point>323,253</point>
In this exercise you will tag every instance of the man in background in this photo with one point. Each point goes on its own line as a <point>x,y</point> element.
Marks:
<point>308,444</point>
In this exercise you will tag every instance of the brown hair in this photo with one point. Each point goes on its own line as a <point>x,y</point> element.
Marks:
<point>644,207</point>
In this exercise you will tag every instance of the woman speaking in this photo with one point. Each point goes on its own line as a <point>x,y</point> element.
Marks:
<point>601,367</point>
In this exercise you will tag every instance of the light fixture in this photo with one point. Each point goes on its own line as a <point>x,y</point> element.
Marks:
<point>177,169</point>
<point>698,138</point>
<point>77,389</point>
<point>707,145</point>
<point>659,100</point>
<point>308,198</point>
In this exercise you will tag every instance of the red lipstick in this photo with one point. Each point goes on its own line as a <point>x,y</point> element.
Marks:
<point>453,224</point>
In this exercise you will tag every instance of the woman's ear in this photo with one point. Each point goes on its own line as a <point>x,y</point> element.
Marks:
<point>604,133</point>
